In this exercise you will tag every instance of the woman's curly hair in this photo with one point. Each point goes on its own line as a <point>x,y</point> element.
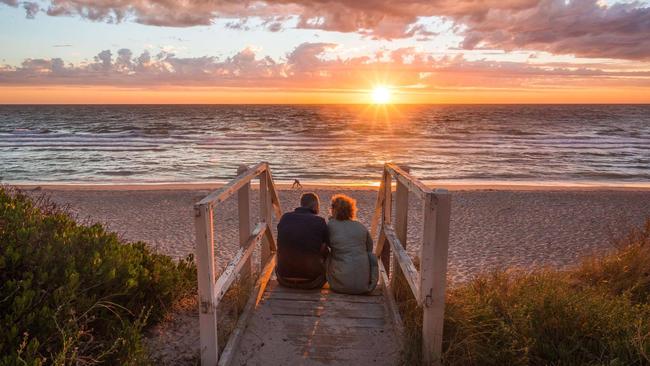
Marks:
<point>344,207</point>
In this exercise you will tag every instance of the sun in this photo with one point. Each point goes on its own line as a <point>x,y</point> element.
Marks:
<point>381,95</point>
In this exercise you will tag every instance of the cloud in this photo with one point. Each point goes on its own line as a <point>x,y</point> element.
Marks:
<point>314,66</point>
<point>31,8</point>
<point>584,28</point>
<point>581,27</point>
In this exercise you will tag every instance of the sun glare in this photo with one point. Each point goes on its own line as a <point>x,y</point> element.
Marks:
<point>381,95</point>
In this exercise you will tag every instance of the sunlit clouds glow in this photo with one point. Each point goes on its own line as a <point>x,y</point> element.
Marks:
<point>300,51</point>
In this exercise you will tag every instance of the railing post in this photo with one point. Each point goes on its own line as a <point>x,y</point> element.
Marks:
<point>386,217</point>
<point>244,208</point>
<point>265,215</point>
<point>205,269</point>
<point>401,220</point>
<point>433,272</point>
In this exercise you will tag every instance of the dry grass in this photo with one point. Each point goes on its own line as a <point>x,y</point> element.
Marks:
<point>597,313</point>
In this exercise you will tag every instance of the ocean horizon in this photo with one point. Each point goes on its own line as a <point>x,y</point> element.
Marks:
<point>551,144</point>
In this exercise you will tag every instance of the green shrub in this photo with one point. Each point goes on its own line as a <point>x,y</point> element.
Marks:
<point>75,294</point>
<point>597,313</point>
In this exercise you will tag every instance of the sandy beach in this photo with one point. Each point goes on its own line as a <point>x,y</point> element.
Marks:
<point>491,227</point>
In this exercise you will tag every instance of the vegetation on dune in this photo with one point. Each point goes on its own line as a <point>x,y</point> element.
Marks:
<point>597,313</point>
<point>76,294</point>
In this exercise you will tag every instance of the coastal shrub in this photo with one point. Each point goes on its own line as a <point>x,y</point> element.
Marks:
<point>597,313</point>
<point>76,294</point>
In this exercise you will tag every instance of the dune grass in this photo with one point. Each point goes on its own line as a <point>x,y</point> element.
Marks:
<point>597,313</point>
<point>77,294</point>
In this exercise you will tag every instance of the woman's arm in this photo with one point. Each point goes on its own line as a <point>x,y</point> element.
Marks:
<point>368,242</point>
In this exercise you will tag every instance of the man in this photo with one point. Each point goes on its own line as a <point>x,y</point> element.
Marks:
<point>302,246</point>
<point>296,184</point>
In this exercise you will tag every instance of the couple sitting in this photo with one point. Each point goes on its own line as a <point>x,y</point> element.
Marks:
<point>312,252</point>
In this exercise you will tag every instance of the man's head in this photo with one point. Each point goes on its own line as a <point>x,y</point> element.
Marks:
<point>310,201</point>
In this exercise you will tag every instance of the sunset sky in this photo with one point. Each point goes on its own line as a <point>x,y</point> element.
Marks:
<point>324,51</point>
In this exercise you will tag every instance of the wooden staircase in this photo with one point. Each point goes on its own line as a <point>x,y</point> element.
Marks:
<point>282,326</point>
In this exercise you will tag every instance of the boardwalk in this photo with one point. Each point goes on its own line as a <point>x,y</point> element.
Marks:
<point>281,326</point>
<point>320,327</point>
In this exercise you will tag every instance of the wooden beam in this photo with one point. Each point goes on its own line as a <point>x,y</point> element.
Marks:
<point>380,243</point>
<point>405,263</point>
<point>269,236</point>
<point>238,261</point>
<point>275,199</point>
<point>387,213</point>
<point>228,354</point>
<point>435,246</point>
<point>205,270</point>
<point>413,184</point>
<point>390,301</point>
<point>234,185</point>
<point>266,215</point>
<point>244,211</point>
<point>374,223</point>
<point>401,222</point>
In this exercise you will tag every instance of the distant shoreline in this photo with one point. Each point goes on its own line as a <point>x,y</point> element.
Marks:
<point>488,186</point>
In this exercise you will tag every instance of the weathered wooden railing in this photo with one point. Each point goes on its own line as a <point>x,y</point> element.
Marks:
<point>427,285</point>
<point>211,291</point>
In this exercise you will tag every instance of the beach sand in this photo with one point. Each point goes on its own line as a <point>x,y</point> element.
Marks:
<point>490,228</point>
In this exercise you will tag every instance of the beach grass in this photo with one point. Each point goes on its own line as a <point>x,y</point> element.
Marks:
<point>597,313</point>
<point>77,294</point>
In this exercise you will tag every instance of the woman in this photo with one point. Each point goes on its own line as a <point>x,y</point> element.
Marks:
<point>351,267</point>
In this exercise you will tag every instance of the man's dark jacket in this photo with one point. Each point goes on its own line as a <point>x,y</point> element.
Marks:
<point>302,249</point>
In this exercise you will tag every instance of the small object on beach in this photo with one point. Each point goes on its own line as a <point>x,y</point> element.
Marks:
<point>296,184</point>
<point>37,189</point>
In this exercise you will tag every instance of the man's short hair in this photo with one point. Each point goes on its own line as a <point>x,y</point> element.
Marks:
<point>309,200</point>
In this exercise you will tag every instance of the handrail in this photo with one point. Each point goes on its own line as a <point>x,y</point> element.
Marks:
<point>413,184</point>
<point>253,299</point>
<point>232,269</point>
<point>211,292</point>
<point>234,185</point>
<point>275,200</point>
<point>427,285</point>
<point>406,264</point>
<point>379,205</point>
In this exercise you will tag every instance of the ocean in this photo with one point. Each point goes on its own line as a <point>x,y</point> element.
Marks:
<point>564,144</point>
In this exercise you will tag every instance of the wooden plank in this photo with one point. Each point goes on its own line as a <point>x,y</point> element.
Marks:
<point>344,323</point>
<point>330,309</point>
<point>387,217</point>
<point>265,214</point>
<point>381,241</point>
<point>413,184</point>
<point>405,263</point>
<point>234,185</point>
<point>244,211</point>
<point>271,296</point>
<point>437,211</point>
<point>374,223</point>
<point>275,199</point>
<point>322,292</point>
<point>230,350</point>
<point>265,277</point>
<point>269,238</point>
<point>337,333</point>
<point>205,269</point>
<point>238,261</point>
<point>401,223</point>
<point>389,297</point>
